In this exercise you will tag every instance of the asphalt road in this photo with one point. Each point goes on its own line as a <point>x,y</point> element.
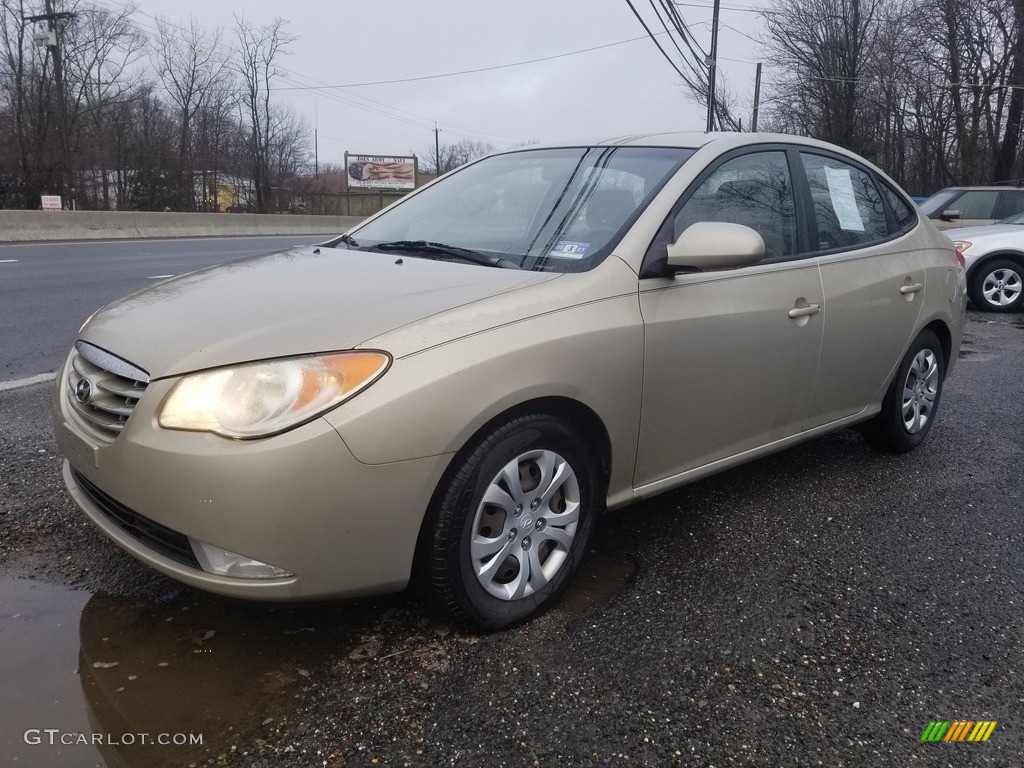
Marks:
<point>48,289</point>
<point>816,608</point>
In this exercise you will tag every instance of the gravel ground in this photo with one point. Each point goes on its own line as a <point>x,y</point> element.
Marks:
<point>818,607</point>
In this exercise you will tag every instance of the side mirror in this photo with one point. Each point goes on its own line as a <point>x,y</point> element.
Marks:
<point>950,215</point>
<point>710,245</point>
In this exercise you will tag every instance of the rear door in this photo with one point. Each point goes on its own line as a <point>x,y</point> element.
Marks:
<point>873,287</point>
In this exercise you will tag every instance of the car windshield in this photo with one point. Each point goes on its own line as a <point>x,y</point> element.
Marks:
<point>1017,218</point>
<point>556,210</point>
<point>937,202</point>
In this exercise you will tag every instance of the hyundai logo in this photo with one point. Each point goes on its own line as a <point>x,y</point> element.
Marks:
<point>83,391</point>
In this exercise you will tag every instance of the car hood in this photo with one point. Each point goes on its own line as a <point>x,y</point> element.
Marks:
<point>299,301</point>
<point>991,230</point>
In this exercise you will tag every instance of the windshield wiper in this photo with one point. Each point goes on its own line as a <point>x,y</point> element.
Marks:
<point>440,249</point>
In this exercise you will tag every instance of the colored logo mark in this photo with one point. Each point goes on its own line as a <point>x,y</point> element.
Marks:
<point>958,730</point>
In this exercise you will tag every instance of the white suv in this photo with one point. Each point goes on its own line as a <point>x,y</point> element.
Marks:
<point>995,263</point>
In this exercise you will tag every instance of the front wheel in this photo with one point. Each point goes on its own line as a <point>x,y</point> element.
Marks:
<point>510,524</point>
<point>912,400</point>
<point>998,286</point>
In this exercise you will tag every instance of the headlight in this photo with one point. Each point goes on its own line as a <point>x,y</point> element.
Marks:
<point>261,399</point>
<point>961,245</point>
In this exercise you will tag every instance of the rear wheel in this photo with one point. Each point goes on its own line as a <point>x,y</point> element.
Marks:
<point>998,286</point>
<point>912,400</point>
<point>510,525</point>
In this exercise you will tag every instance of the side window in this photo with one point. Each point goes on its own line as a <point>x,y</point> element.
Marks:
<point>847,206</point>
<point>901,209</point>
<point>1011,202</point>
<point>754,190</point>
<point>976,204</point>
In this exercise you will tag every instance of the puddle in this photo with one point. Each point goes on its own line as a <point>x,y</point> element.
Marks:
<point>39,673</point>
<point>92,680</point>
<point>199,673</point>
<point>606,571</point>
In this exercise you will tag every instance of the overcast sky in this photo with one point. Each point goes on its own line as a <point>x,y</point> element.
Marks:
<point>616,90</point>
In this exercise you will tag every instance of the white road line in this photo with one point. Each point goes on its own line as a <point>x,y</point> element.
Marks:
<point>19,383</point>
<point>51,243</point>
<point>159,277</point>
<point>7,261</point>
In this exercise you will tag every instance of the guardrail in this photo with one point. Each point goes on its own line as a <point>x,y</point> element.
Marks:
<point>22,226</point>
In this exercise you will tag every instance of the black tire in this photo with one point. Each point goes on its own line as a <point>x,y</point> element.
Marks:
<point>912,400</point>
<point>997,286</point>
<point>447,575</point>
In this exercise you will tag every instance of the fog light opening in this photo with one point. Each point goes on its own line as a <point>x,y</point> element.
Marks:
<point>221,562</point>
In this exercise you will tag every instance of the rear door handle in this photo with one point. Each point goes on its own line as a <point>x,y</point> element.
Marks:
<point>912,288</point>
<point>810,309</point>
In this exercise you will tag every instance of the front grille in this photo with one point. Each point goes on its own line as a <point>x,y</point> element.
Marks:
<point>157,537</point>
<point>103,389</point>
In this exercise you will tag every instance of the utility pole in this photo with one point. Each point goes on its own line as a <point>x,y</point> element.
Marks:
<point>757,97</point>
<point>712,62</point>
<point>437,150</point>
<point>53,42</point>
<point>316,140</point>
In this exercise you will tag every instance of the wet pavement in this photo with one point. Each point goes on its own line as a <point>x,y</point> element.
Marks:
<point>818,607</point>
<point>184,678</point>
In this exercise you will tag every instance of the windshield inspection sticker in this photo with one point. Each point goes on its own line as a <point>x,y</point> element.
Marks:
<point>844,203</point>
<point>566,249</point>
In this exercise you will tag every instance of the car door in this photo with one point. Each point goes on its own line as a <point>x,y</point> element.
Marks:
<point>977,207</point>
<point>729,356</point>
<point>873,291</point>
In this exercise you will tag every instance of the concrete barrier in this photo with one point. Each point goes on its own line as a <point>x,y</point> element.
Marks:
<point>22,226</point>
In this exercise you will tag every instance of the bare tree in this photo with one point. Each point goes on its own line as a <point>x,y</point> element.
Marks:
<point>822,50</point>
<point>260,47</point>
<point>191,65</point>
<point>101,49</point>
<point>30,158</point>
<point>448,157</point>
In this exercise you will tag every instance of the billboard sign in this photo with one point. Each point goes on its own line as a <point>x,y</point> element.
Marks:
<point>380,172</point>
<point>51,202</point>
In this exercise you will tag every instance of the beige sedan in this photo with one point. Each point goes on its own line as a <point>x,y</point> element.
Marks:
<point>450,394</point>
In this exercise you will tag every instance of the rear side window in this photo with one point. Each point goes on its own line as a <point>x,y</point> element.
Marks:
<point>848,209</point>
<point>976,204</point>
<point>1010,202</point>
<point>901,209</point>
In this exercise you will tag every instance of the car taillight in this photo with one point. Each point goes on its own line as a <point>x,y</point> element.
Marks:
<point>960,258</point>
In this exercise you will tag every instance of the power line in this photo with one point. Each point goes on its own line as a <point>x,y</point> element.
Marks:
<point>469,71</point>
<point>651,35</point>
<point>289,76</point>
<point>664,24</point>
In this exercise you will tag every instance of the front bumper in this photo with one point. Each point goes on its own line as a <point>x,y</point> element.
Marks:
<point>299,501</point>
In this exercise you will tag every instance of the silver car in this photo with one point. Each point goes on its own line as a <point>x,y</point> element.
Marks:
<point>448,395</point>
<point>994,257</point>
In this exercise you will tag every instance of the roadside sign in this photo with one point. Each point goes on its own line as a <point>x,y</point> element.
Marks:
<point>51,202</point>
<point>380,172</point>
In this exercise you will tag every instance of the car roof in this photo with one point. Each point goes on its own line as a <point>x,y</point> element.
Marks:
<point>989,188</point>
<point>717,142</point>
<point>688,140</point>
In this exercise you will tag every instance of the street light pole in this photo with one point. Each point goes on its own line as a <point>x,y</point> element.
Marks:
<point>54,43</point>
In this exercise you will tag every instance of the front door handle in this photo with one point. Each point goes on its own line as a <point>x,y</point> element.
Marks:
<point>810,309</point>
<point>912,288</point>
